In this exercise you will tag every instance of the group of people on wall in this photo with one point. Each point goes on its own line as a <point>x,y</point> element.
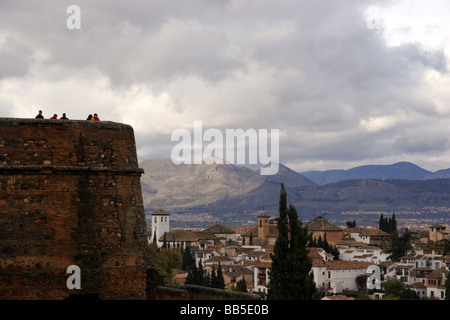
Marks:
<point>64,117</point>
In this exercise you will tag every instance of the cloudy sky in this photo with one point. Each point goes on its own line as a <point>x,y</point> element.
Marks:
<point>346,82</point>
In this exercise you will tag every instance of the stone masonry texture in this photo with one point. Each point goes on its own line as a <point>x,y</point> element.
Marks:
<point>70,194</point>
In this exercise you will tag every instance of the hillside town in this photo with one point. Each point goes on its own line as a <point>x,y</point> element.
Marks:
<point>243,254</point>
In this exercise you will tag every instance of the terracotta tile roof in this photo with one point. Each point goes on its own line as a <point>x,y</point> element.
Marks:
<point>418,285</point>
<point>261,264</point>
<point>180,235</point>
<point>437,274</point>
<point>339,264</point>
<point>218,259</point>
<point>318,262</point>
<point>204,235</point>
<point>160,212</point>
<point>366,231</point>
<point>210,249</point>
<point>322,225</point>
<point>315,253</point>
<point>219,229</point>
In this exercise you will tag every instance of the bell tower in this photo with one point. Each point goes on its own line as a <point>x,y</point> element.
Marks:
<point>263,228</point>
<point>160,225</point>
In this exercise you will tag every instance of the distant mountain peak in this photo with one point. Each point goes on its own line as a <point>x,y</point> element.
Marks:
<point>399,170</point>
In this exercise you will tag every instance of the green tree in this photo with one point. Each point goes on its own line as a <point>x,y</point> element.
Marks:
<point>213,278</point>
<point>319,241</point>
<point>241,285</point>
<point>290,274</point>
<point>279,273</point>
<point>200,274</point>
<point>301,286</point>
<point>396,289</point>
<point>220,281</point>
<point>192,275</point>
<point>187,260</point>
<point>164,242</point>
<point>393,224</point>
<point>400,245</point>
<point>381,223</point>
<point>351,224</point>
<point>388,225</point>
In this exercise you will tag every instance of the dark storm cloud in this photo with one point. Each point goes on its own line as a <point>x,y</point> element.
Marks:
<point>312,69</point>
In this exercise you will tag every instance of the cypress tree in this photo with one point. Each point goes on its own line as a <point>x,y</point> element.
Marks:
<point>214,278</point>
<point>200,280</point>
<point>393,224</point>
<point>164,242</point>
<point>192,274</point>
<point>301,285</point>
<point>220,279</point>
<point>381,223</point>
<point>241,285</point>
<point>207,279</point>
<point>279,273</point>
<point>325,244</point>
<point>187,259</point>
<point>320,242</point>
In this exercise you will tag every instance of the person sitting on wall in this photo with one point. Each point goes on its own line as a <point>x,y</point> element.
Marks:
<point>64,117</point>
<point>95,117</point>
<point>89,117</point>
<point>39,116</point>
<point>55,116</point>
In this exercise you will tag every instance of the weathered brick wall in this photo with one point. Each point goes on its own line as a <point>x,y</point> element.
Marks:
<point>70,195</point>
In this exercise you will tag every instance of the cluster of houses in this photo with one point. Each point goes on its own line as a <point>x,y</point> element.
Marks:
<point>247,256</point>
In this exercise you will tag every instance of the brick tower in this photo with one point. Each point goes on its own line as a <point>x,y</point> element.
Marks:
<point>70,194</point>
<point>263,228</point>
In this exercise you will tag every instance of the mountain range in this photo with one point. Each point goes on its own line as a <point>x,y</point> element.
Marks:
<point>167,185</point>
<point>218,188</point>
<point>399,170</point>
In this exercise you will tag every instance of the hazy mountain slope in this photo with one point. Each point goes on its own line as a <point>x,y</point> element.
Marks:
<point>441,174</point>
<point>167,185</point>
<point>229,188</point>
<point>400,170</point>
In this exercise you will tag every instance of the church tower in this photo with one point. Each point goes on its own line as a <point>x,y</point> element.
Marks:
<point>160,225</point>
<point>263,228</point>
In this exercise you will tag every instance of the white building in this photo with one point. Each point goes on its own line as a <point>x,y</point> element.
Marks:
<point>336,275</point>
<point>371,254</point>
<point>160,225</point>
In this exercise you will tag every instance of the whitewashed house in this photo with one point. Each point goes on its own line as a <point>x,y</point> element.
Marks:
<point>341,275</point>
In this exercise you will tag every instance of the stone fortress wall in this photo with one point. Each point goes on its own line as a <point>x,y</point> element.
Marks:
<point>70,194</point>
